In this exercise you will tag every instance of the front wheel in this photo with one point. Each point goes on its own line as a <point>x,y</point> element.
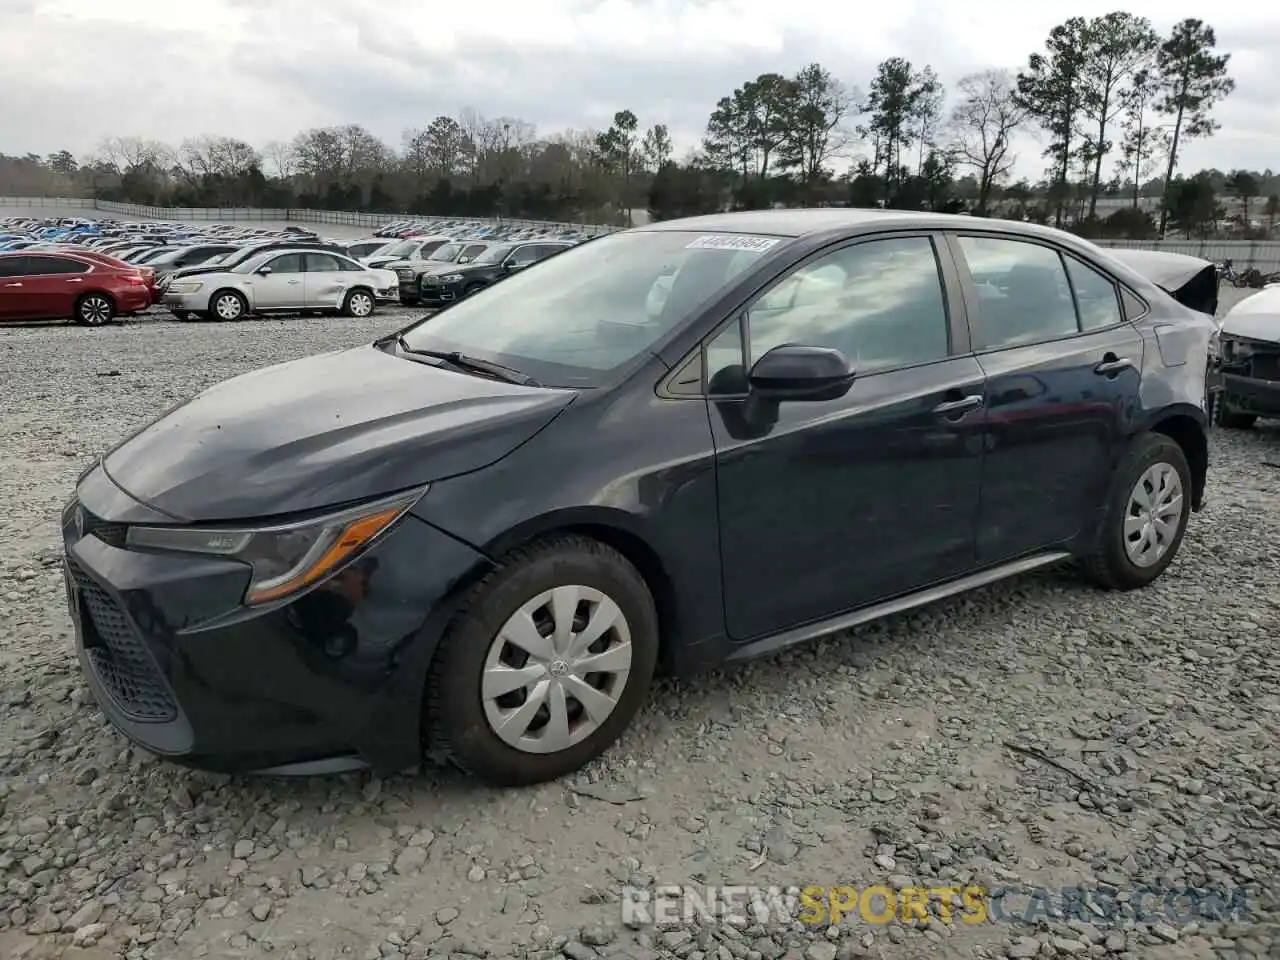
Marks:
<point>1146,517</point>
<point>358,303</point>
<point>472,290</point>
<point>547,662</point>
<point>228,305</point>
<point>95,310</point>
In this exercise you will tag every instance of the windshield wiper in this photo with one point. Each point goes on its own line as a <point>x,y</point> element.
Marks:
<point>471,364</point>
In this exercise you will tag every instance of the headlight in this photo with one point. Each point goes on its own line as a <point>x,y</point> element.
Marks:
<point>286,558</point>
<point>452,278</point>
<point>184,286</point>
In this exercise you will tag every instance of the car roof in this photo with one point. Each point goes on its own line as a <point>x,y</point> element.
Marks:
<point>802,223</point>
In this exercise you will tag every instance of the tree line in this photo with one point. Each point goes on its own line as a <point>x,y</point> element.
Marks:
<point>1112,100</point>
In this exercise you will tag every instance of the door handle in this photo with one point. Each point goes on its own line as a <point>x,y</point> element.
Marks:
<point>13,284</point>
<point>1111,365</point>
<point>294,282</point>
<point>75,280</point>
<point>954,409</point>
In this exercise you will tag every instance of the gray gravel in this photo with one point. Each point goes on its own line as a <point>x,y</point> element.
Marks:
<point>1037,733</point>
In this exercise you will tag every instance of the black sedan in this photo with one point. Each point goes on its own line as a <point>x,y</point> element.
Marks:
<point>442,287</point>
<point>677,446</point>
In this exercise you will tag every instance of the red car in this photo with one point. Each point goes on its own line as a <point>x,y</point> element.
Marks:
<point>57,285</point>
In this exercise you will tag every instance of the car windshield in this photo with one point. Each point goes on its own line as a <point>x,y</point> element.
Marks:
<point>253,262</point>
<point>447,254</point>
<point>401,248</point>
<point>590,311</point>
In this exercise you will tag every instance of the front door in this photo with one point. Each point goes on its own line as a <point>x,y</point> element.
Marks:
<point>51,285</point>
<point>283,288</point>
<point>828,505</point>
<point>1063,371</point>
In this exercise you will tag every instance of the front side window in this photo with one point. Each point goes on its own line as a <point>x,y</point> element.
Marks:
<point>585,314</point>
<point>475,251</point>
<point>523,256</point>
<point>880,303</point>
<point>289,263</point>
<point>1023,293</point>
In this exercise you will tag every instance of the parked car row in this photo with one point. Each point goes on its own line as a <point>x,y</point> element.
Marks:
<point>228,271</point>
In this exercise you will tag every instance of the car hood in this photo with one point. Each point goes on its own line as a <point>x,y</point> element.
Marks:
<point>1256,317</point>
<point>323,431</point>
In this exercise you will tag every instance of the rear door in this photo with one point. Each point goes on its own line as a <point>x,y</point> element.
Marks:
<point>52,285</point>
<point>1063,371</point>
<point>283,288</point>
<point>326,278</point>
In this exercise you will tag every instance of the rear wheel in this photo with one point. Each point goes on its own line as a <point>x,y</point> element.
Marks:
<point>228,305</point>
<point>1146,516</point>
<point>95,310</point>
<point>548,660</point>
<point>358,303</point>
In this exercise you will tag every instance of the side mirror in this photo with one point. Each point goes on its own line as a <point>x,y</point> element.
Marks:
<point>796,372</point>
<point>266,272</point>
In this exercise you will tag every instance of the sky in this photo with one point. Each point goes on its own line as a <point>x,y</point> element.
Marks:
<point>76,71</point>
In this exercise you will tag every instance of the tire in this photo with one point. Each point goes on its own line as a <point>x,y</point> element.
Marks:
<point>1228,419</point>
<point>95,310</point>
<point>457,715</point>
<point>358,303</point>
<point>228,306</point>
<point>1152,459</point>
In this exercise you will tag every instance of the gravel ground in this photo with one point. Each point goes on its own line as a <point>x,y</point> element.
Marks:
<point>1035,734</point>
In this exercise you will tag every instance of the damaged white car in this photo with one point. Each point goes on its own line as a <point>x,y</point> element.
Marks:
<point>1248,379</point>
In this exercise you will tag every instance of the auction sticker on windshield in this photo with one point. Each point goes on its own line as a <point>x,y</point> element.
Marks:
<point>733,241</point>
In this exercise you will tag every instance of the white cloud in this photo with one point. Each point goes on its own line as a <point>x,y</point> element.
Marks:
<point>168,69</point>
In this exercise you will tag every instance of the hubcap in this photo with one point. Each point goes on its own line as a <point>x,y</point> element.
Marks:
<point>1154,515</point>
<point>95,311</point>
<point>228,307</point>
<point>556,669</point>
<point>361,305</point>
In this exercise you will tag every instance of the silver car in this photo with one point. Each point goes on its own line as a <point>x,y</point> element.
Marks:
<point>284,281</point>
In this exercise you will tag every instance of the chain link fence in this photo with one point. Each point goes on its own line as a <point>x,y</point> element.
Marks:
<point>290,214</point>
<point>1244,254</point>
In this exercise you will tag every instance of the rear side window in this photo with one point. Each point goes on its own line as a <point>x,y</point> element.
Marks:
<point>1023,292</point>
<point>1097,299</point>
<point>322,263</point>
<point>288,263</point>
<point>42,266</point>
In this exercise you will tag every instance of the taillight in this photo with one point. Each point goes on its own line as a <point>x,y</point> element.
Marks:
<point>136,279</point>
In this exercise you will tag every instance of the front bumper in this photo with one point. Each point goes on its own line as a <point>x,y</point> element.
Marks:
<point>1244,394</point>
<point>196,302</point>
<point>439,294</point>
<point>180,667</point>
<point>387,294</point>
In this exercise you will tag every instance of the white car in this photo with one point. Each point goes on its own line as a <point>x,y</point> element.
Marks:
<point>283,281</point>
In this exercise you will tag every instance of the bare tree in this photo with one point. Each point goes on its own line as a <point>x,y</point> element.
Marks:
<point>982,125</point>
<point>281,159</point>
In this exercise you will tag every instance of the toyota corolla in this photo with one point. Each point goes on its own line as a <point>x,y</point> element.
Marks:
<point>477,538</point>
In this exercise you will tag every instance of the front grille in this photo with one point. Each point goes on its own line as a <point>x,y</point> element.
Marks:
<point>120,658</point>
<point>112,534</point>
